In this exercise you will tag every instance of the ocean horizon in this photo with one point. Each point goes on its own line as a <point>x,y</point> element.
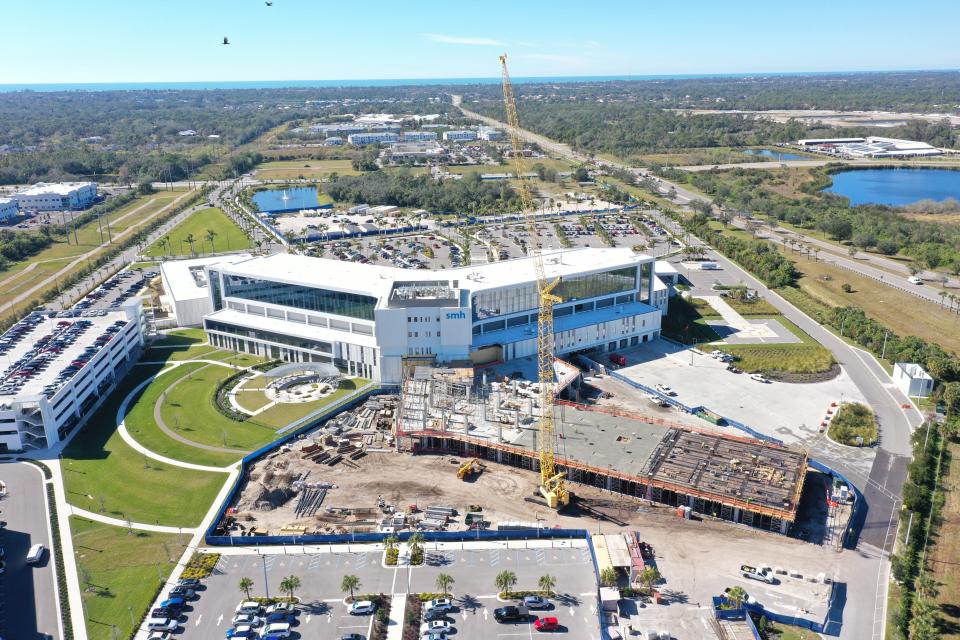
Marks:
<point>310,84</point>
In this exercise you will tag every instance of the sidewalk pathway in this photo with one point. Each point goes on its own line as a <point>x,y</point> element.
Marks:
<point>117,522</point>
<point>398,606</point>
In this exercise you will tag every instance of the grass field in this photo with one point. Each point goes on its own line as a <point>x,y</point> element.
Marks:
<point>248,395</point>
<point>26,273</point>
<point>900,311</point>
<point>189,408</point>
<point>685,322</point>
<point>307,169</point>
<point>98,464</point>
<point>120,573</point>
<point>229,236</point>
<point>142,424</point>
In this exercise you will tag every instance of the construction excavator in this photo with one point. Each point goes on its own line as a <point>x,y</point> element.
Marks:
<point>552,483</point>
<point>470,467</point>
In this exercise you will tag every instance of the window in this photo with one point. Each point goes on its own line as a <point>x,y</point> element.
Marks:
<point>299,296</point>
<point>269,336</point>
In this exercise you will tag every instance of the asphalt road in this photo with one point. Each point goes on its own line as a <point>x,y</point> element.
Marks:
<point>30,610</point>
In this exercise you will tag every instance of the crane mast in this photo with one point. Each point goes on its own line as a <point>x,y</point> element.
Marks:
<point>552,484</point>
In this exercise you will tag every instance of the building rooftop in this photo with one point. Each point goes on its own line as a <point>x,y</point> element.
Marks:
<point>58,188</point>
<point>378,280</point>
<point>185,279</point>
<point>72,328</point>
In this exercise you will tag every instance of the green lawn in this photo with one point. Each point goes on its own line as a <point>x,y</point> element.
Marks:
<point>143,427</point>
<point>120,573</point>
<point>229,236</point>
<point>190,405</point>
<point>685,323</point>
<point>307,168</point>
<point>807,356</point>
<point>249,397</point>
<point>98,464</point>
<point>181,336</point>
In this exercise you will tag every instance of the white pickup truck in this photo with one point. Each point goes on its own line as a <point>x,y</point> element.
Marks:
<point>763,574</point>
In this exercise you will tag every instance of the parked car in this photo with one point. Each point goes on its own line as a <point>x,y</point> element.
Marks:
<point>758,377</point>
<point>510,613</point>
<point>362,607</point>
<point>536,602</point>
<point>547,624</point>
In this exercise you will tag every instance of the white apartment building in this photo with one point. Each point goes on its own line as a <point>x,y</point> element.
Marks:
<point>419,136</point>
<point>8,209</point>
<point>61,196</point>
<point>371,137</point>
<point>377,321</point>
<point>489,134</point>
<point>459,135</point>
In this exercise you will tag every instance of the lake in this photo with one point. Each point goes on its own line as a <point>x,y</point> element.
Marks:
<point>896,187</point>
<point>281,200</point>
<point>779,156</point>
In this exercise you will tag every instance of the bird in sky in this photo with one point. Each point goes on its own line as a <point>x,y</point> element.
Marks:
<point>268,3</point>
<point>226,40</point>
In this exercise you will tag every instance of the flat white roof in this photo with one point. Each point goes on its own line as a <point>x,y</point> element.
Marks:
<point>58,188</point>
<point>377,280</point>
<point>179,280</point>
<point>664,268</point>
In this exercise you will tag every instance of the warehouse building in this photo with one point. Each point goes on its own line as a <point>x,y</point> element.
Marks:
<point>60,367</point>
<point>415,153</point>
<point>377,322</point>
<point>61,196</point>
<point>489,134</point>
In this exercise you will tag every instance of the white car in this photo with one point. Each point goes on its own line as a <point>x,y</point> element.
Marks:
<point>276,629</point>
<point>279,607</point>
<point>665,390</point>
<point>758,377</point>
<point>440,626</point>
<point>657,400</point>
<point>246,618</point>
<point>250,606</point>
<point>362,607</point>
<point>160,635</point>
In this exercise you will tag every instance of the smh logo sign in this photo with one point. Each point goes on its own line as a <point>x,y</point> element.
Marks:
<point>456,315</point>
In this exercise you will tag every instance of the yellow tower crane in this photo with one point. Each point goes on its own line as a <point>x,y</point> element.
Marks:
<point>552,484</point>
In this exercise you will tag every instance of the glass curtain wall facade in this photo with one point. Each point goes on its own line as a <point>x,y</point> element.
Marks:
<point>279,338</point>
<point>488,304</point>
<point>299,296</point>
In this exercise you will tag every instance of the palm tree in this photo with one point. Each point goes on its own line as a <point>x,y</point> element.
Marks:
<point>649,576</point>
<point>444,582</point>
<point>547,582</point>
<point>166,241</point>
<point>349,583</point>
<point>608,577</point>
<point>290,584</point>
<point>415,543</point>
<point>190,240</point>
<point>245,585</point>
<point>505,580</point>
<point>736,595</point>
<point>391,542</point>
<point>211,234</point>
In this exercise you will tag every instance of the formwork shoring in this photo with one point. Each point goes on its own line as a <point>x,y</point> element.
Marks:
<point>648,488</point>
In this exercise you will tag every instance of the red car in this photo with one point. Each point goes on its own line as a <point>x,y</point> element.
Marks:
<point>546,624</point>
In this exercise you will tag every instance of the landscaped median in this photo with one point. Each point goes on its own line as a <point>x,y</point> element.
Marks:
<point>854,425</point>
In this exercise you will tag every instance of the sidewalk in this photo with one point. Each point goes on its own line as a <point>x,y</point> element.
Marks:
<point>398,607</point>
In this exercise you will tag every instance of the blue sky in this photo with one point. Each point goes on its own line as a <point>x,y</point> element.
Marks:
<point>179,40</point>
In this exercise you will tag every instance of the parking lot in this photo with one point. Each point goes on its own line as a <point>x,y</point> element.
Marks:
<point>789,412</point>
<point>323,613</point>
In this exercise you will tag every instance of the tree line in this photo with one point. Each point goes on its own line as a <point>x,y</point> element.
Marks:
<point>469,195</point>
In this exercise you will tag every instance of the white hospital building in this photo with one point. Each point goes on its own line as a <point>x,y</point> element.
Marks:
<point>376,321</point>
<point>61,196</point>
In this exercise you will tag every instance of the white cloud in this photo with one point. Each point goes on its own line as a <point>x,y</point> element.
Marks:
<point>482,42</point>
